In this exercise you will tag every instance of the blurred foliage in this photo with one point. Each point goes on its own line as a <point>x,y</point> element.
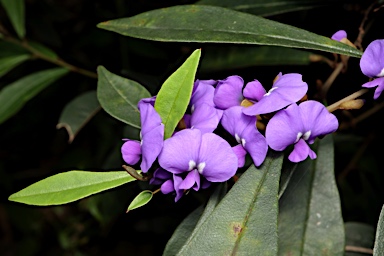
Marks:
<point>31,148</point>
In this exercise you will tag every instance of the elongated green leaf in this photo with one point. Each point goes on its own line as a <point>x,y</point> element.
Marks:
<point>8,49</point>
<point>192,223</point>
<point>78,112</point>
<point>310,220</point>
<point>245,220</point>
<point>199,23</point>
<point>119,96</point>
<point>268,7</point>
<point>140,200</point>
<point>173,98</point>
<point>8,63</point>
<point>15,95</point>
<point>379,240</point>
<point>221,58</point>
<point>16,13</point>
<point>69,186</point>
<point>43,50</point>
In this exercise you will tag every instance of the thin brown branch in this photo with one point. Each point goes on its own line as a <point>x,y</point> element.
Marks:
<point>353,96</point>
<point>351,248</point>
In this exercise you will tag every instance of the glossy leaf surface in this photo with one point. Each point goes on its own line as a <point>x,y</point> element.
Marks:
<point>268,7</point>
<point>69,186</point>
<point>173,97</point>
<point>198,23</point>
<point>16,13</point>
<point>119,96</point>
<point>78,112</point>
<point>15,95</point>
<point>140,200</point>
<point>310,220</point>
<point>245,220</point>
<point>8,63</point>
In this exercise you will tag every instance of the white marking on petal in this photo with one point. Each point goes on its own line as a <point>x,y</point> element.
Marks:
<point>381,73</point>
<point>243,142</point>
<point>271,90</point>
<point>200,167</point>
<point>299,134</point>
<point>306,135</point>
<point>191,165</point>
<point>237,137</point>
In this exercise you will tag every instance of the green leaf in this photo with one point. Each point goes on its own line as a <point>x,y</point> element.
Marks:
<point>192,223</point>
<point>119,96</point>
<point>286,175</point>
<point>310,219</point>
<point>268,7</point>
<point>69,186</point>
<point>173,97</point>
<point>43,50</point>
<point>16,13</point>
<point>245,220</point>
<point>8,63</point>
<point>199,23</point>
<point>14,96</point>
<point>224,58</point>
<point>78,112</point>
<point>8,49</point>
<point>140,200</point>
<point>379,240</point>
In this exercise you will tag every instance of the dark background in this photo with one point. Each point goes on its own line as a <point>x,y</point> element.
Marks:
<point>31,148</point>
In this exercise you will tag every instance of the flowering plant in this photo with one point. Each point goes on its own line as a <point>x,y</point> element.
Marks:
<point>260,156</point>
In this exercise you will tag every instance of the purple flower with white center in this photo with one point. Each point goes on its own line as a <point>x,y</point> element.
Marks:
<point>167,181</point>
<point>151,135</point>
<point>299,124</point>
<point>202,94</point>
<point>339,35</point>
<point>372,65</point>
<point>286,89</point>
<point>250,140</point>
<point>196,158</point>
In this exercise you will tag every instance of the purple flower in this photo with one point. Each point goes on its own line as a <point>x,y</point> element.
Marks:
<point>298,124</point>
<point>167,181</point>
<point>286,89</point>
<point>372,65</point>
<point>152,135</point>
<point>204,117</point>
<point>193,157</point>
<point>228,92</point>
<point>339,35</point>
<point>250,140</point>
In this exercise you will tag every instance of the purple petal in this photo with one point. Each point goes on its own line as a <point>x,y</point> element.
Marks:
<point>372,61</point>
<point>255,144</point>
<point>234,121</point>
<point>339,35</point>
<point>159,176</point>
<point>179,150</point>
<point>283,128</point>
<point>151,146</point>
<point>147,100</point>
<point>150,119</point>
<point>205,118</point>
<point>131,152</point>
<point>317,119</point>
<point>217,161</point>
<point>204,183</point>
<point>228,92</point>
<point>254,91</point>
<point>177,180</point>
<point>203,92</point>
<point>379,82</point>
<point>192,180</point>
<point>240,152</point>
<point>287,89</point>
<point>300,152</point>
<point>167,187</point>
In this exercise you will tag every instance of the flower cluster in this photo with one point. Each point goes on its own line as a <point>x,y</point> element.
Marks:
<point>195,156</point>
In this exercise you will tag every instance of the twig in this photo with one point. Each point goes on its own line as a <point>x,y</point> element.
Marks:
<point>351,248</point>
<point>135,174</point>
<point>353,96</point>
